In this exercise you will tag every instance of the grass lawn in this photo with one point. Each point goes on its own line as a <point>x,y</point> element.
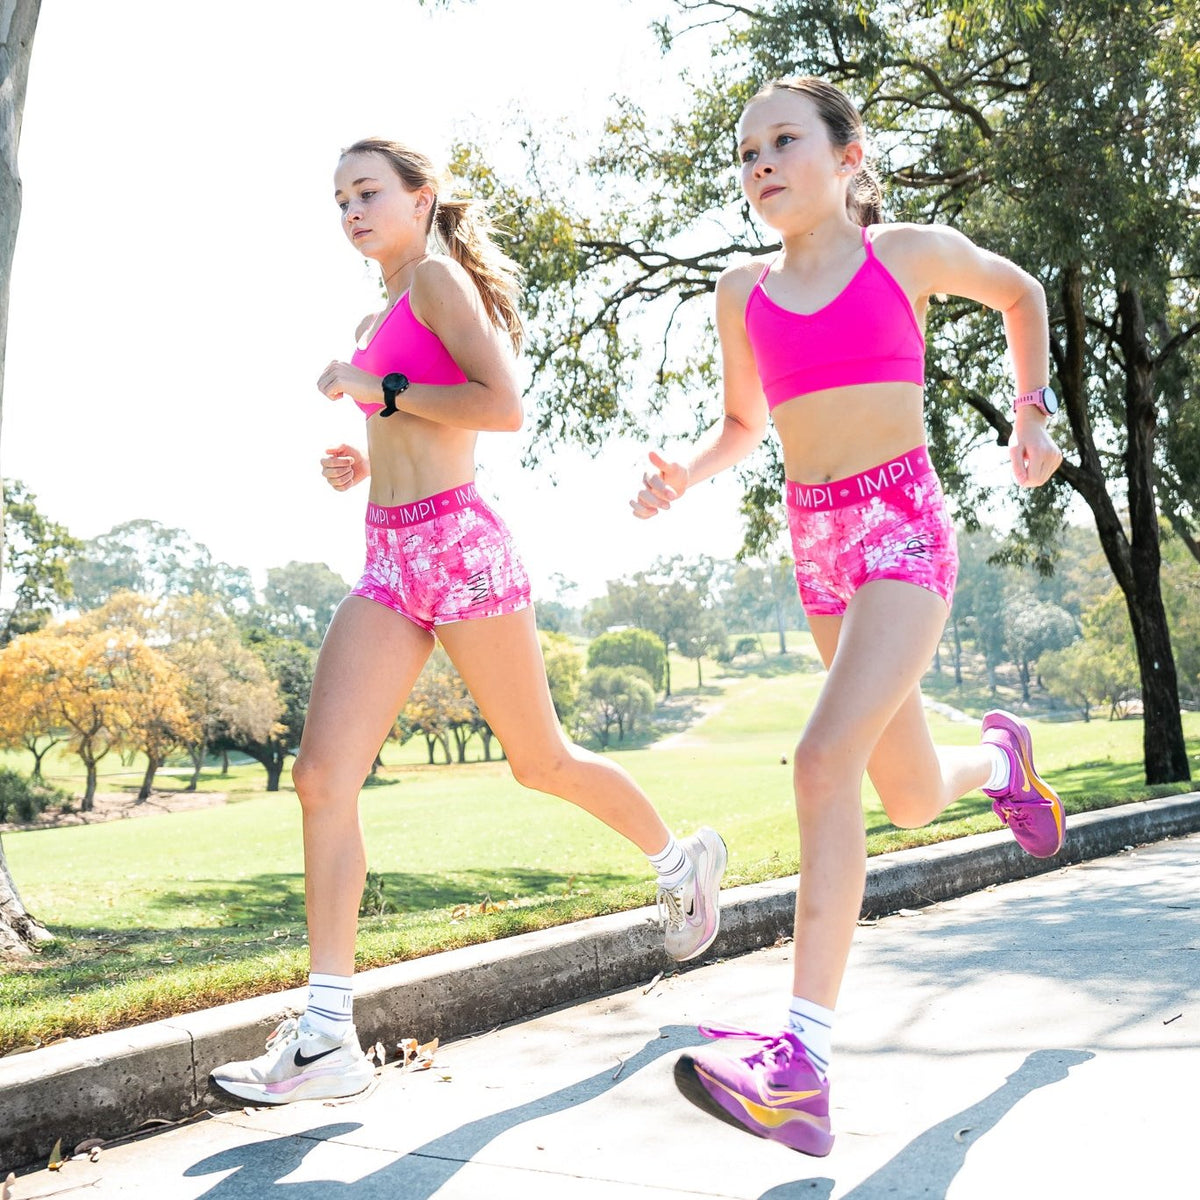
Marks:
<point>166,914</point>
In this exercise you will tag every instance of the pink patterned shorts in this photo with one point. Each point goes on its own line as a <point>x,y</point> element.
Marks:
<point>446,558</point>
<point>886,523</point>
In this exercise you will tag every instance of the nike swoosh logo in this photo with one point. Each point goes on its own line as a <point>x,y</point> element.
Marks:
<point>306,1060</point>
<point>691,911</point>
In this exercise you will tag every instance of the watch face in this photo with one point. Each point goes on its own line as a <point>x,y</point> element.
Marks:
<point>1049,400</point>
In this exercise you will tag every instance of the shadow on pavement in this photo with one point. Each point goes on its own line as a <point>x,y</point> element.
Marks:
<point>417,1175</point>
<point>929,1163</point>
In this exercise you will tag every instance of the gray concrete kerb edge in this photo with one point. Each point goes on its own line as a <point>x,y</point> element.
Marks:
<point>108,1085</point>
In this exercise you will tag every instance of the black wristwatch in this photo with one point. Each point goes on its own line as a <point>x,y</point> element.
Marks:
<point>393,384</point>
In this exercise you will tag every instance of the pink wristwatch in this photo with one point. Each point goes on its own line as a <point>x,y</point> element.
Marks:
<point>1043,397</point>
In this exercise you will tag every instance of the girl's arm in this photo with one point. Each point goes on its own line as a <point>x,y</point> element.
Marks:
<point>942,260</point>
<point>444,299</point>
<point>745,421</point>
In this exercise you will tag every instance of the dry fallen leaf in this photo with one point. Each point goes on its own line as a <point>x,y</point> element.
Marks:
<point>7,1190</point>
<point>958,1137</point>
<point>650,986</point>
<point>908,912</point>
<point>56,1158</point>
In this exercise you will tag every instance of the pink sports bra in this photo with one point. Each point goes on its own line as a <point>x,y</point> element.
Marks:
<point>402,343</point>
<point>868,333</point>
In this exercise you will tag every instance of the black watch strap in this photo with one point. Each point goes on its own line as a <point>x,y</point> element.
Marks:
<point>393,384</point>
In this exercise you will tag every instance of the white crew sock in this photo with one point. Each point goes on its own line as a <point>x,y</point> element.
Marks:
<point>670,864</point>
<point>1001,775</point>
<point>813,1024</point>
<point>330,1004</point>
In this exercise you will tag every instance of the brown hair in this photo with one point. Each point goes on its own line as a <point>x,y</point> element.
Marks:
<point>464,230</point>
<point>864,196</point>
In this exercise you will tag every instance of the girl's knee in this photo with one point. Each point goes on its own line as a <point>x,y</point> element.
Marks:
<point>816,771</point>
<point>545,769</point>
<point>317,783</point>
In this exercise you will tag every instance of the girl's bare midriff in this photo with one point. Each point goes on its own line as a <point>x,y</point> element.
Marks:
<point>839,432</point>
<point>412,458</point>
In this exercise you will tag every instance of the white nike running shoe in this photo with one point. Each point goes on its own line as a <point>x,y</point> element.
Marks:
<point>690,913</point>
<point>299,1064</point>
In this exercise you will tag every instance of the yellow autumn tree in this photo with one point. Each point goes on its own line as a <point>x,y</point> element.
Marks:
<point>27,718</point>
<point>109,690</point>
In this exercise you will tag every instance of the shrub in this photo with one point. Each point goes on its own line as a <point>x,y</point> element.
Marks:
<point>22,800</point>
<point>631,648</point>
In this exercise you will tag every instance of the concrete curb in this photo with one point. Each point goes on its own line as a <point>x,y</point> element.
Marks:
<point>108,1085</point>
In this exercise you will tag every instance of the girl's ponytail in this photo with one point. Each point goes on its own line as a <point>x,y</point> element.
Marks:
<point>463,228</point>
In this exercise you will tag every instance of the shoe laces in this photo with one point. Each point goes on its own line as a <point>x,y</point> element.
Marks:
<point>1019,816</point>
<point>284,1032</point>
<point>775,1049</point>
<point>670,908</point>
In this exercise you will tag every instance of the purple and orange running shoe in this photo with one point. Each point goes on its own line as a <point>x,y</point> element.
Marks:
<point>774,1093</point>
<point>1029,806</point>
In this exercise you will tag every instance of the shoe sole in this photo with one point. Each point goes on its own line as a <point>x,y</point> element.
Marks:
<point>319,1087</point>
<point>1009,723</point>
<point>712,878</point>
<point>690,1085</point>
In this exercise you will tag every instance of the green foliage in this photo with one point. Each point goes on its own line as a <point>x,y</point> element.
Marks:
<point>151,559</point>
<point>630,648</point>
<point>299,601</point>
<point>22,799</point>
<point>616,696</point>
<point>564,672</point>
<point>36,553</point>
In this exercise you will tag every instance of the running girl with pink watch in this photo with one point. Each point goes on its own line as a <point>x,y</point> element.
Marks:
<point>827,340</point>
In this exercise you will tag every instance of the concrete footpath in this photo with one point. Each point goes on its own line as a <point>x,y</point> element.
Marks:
<point>1035,1036</point>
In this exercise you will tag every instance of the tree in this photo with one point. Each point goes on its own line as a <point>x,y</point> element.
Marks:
<point>1063,136</point>
<point>36,551</point>
<point>299,600</point>
<point>107,689</point>
<point>438,703</point>
<point>630,648</point>
<point>616,696</point>
<point>761,595</point>
<point>1099,668</point>
<point>152,559</point>
<point>564,672</point>
<point>27,715</point>
<point>1031,628</point>
<point>672,599</point>
<point>290,665</point>
<point>19,930</point>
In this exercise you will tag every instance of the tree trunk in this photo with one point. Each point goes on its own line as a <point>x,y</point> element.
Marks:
<point>152,765</point>
<point>19,932</point>
<point>780,623</point>
<point>89,792</point>
<point>225,762</point>
<point>1135,560</point>
<point>198,754</point>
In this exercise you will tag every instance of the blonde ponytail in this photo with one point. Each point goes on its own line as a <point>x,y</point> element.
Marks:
<point>465,231</point>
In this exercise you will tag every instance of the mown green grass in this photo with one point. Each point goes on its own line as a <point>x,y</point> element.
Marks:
<point>166,914</point>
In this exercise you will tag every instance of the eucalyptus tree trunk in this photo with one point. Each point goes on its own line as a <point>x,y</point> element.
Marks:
<point>19,932</point>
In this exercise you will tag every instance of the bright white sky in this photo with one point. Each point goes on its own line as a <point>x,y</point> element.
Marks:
<point>181,279</point>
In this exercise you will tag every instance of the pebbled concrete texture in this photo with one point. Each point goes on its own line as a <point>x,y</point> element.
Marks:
<point>109,1085</point>
<point>1035,1039</point>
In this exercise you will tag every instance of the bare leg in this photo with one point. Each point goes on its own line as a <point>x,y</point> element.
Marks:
<point>915,779</point>
<point>880,649</point>
<point>369,660</point>
<point>500,660</point>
